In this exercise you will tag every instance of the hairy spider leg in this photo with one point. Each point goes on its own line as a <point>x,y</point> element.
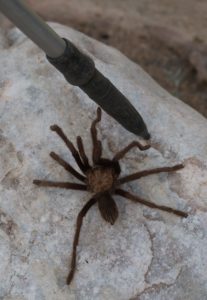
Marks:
<point>60,184</point>
<point>144,173</point>
<point>97,146</point>
<point>82,152</point>
<point>133,144</point>
<point>67,166</point>
<point>79,222</point>
<point>70,146</point>
<point>134,198</point>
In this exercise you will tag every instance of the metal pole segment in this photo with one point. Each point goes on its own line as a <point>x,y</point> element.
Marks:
<point>33,26</point>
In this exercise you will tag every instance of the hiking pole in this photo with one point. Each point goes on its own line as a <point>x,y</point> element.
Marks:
<point>77,67</point>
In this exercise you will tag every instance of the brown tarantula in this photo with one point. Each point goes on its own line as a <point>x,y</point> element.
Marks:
<point>101,179</point>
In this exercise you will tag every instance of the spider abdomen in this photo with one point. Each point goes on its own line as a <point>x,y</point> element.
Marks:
<point>100,179</point>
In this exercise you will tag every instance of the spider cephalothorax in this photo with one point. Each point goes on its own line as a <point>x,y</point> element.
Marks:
<point>101,179</point>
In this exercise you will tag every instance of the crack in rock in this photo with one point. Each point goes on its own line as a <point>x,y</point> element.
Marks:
<point>151,236</point>
<point>156,287</point>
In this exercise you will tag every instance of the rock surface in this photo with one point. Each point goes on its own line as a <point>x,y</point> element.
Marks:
<point>147,254</point>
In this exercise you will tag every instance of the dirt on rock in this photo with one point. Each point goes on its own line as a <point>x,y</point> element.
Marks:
<point>167,38</point>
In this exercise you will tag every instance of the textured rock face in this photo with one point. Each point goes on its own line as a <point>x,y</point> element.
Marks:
<point>147,254</point>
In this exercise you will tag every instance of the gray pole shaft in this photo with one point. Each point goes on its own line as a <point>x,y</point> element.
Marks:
<point>33,26</point>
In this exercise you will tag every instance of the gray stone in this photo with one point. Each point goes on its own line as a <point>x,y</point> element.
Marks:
<point>147,254</point>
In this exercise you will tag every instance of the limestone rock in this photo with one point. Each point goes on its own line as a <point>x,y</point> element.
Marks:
<point>147,254</point>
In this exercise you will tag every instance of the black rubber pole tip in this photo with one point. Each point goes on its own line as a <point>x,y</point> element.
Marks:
<point>79,70</point>
<point>145,135</point>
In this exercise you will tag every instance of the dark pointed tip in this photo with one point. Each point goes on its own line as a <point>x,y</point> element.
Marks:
<point>53,154</point>
<point>54,127</point>
<point>69,278</point>
<point>180,166</point>
<point>182,214</point>
<point>36,182</point>
<point>145,134</point>
<point>140,130</point>
<point>136,125</point>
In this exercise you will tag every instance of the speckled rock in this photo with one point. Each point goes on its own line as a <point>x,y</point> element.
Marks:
<point>147,254</point>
